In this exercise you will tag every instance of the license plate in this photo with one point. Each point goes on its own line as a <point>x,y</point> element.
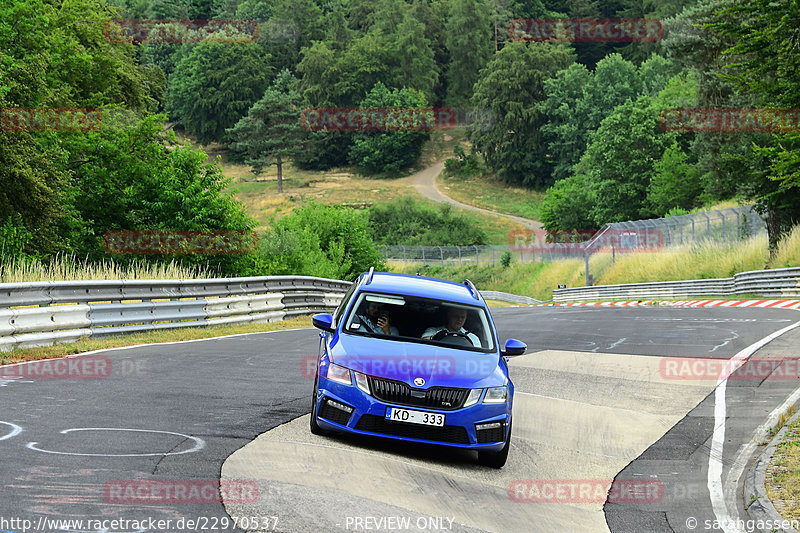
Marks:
<point>414,417</point>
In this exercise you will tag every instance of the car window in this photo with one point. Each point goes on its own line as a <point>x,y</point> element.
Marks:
<point>424,320</point>
<point>343,304</point>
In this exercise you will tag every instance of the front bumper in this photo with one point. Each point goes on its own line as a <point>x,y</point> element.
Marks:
<point>366,416</point>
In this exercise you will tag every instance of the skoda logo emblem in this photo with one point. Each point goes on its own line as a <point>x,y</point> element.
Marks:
<point>419,382</point>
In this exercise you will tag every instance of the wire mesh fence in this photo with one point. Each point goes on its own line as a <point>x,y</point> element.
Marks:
<point>652,235</point>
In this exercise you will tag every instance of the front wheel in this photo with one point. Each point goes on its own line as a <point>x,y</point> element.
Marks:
<point>496,459</point>
<point>313,425</point>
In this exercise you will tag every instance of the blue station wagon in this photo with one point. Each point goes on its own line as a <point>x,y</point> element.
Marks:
<point>415,359</point>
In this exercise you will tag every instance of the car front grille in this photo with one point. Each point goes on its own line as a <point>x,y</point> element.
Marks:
<point>378,424</point>
<point>442,398</point>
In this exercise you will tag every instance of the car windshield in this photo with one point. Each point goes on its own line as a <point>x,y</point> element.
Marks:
<point>424,320</point>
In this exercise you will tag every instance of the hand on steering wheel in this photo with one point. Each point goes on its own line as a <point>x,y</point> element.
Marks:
<point>444,333</point>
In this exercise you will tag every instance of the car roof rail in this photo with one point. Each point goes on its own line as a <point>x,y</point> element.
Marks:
<point>472,289</point>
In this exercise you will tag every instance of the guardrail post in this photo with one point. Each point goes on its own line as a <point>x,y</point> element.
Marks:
<point>459,255</point>
<point>441,254</point>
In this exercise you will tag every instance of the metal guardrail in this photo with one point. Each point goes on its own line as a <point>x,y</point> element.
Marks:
<point>779,282</point>
<point>70,310</point>
<point>511,298</point>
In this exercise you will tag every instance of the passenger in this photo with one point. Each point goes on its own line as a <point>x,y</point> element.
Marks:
<point>455,324</point>
<point>376,319</point>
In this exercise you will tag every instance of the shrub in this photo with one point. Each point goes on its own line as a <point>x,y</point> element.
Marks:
<point>406,221</point>
<point>317,240</point>
<point>464,165</point>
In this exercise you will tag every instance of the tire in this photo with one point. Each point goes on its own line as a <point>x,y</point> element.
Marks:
<point>496,459</point>
<point>313,425</point>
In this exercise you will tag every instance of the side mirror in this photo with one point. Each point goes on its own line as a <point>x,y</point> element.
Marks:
<point>323,321</point>
<point>514,347</point>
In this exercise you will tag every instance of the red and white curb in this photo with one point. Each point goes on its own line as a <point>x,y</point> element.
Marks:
<point>777,304</point>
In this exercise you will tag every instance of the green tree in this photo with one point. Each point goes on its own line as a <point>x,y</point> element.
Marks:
<point>568,205</point>
<point>675,182</point>
<point>577,102</point>
<point>214,85</point>
<point>469,43</point>
<point>512,86</point>
<point>416,66</point>
<point>432,14</point>
<point>141,178</point>
<point>564,133</point>
<point>54,55</point>
<point>271,133</point>
<point>765,62</point>
<point>620,161</point>
<point>391,151</point>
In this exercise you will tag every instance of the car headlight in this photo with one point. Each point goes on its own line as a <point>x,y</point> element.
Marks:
<point>496,395</point>
<point>340,374</point>
<point>474,396</point>
<point>361,381</point>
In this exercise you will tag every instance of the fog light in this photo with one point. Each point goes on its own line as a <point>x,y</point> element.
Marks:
<point>340,406</point>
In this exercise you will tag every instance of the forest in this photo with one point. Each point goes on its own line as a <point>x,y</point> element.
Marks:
<point>583,121</point>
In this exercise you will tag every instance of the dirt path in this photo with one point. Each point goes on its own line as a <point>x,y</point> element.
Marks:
<point>424,182</point>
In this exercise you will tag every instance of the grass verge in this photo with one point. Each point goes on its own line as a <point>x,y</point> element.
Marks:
<point>494,195</point>
<point>172,335</point>
<point>71,268</point>
<point>783,474</point>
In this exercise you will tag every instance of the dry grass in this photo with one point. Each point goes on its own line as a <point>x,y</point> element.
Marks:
<point>182,334</point>
<point>788,253</point>
<point>702,261</point>
<point>689,262</point>
<point>337,186</point>
<point>489,193</point>
<point>783,474</point>
<point>70,268</point>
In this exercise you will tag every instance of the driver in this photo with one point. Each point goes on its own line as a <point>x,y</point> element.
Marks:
<point>455,324</point>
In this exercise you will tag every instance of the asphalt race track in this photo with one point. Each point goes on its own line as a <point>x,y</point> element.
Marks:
<point>593,404</point>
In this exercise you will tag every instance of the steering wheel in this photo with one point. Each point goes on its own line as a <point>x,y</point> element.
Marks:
<point>453,337</point>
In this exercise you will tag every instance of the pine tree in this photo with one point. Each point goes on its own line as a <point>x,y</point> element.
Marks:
<point>469,41</point>
<point>271,132</point>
